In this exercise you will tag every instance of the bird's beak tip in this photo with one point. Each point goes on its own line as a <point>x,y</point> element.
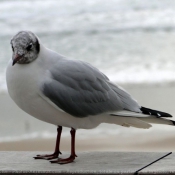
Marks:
<point>14,62</point>
<point>16,59</point>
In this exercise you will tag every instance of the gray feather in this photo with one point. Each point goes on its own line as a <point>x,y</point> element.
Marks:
<point>128,102</point>
<point>81,90</point>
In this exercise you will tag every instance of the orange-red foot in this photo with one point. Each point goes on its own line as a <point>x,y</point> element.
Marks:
<point>64,161</point>
<point>48,156</point>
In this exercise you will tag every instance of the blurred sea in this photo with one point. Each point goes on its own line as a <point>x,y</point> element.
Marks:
<point>131,41</point>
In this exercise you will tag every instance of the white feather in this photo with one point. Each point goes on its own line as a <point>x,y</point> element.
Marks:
<point>129,114</point>
<point>156,120</point>
<point>128,121</point>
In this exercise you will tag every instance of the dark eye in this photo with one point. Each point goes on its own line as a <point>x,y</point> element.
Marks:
<point>28,48</point>
<point>12,48</point>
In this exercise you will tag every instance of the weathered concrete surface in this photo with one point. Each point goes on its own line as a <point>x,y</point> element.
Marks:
<point>87,163</point>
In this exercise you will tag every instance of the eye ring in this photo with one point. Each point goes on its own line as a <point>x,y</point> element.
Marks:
<point>28,48</point>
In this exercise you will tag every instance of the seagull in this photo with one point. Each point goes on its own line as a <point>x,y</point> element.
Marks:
<point>69,93</point>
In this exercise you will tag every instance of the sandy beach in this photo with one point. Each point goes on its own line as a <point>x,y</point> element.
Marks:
<point>96,144</point>
<point>158,138</point>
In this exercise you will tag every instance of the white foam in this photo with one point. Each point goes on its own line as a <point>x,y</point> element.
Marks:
<point>144,76</point>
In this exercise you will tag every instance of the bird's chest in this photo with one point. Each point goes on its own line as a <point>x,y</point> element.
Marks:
<point>22,86</point>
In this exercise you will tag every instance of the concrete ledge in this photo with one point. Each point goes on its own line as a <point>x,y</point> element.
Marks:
<point>87,163</point>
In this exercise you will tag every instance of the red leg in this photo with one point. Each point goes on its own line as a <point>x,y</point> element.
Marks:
<point>57,148</point>
<point>73,155</point>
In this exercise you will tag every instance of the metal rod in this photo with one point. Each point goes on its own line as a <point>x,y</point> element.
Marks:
<point>153,162</point>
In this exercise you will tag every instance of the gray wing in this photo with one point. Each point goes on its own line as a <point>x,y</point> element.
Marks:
<point>81,90</point>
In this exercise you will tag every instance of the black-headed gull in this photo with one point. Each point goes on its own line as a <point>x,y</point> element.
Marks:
<point>69,93</point>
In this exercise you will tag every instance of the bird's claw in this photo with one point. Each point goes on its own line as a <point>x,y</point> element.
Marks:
<point>48,156</point>
<point>64,161</point>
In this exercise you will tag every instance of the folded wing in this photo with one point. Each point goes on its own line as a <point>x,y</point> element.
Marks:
<point>82,90</point>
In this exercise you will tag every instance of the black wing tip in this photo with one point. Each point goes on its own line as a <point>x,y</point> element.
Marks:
<point>154,112</point>
<point>173,122</point>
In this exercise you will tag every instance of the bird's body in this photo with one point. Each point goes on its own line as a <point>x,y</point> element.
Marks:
<point>70,93</point>
<point>26,92</point>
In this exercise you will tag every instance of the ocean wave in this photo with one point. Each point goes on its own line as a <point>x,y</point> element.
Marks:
<point>92,17</point>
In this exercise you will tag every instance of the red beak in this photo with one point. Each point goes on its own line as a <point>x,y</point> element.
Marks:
<point>16,59</point>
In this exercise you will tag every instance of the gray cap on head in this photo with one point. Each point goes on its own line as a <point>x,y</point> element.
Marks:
<point>25,46</point>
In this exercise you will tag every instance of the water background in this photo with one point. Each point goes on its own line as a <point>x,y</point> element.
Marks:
<point>131,41</point>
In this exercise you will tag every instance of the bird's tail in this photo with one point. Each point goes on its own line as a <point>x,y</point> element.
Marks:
<point>141,120</point>
<point>155,120</point>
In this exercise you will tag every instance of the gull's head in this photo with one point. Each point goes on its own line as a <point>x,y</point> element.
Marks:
<point>25,47</point>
